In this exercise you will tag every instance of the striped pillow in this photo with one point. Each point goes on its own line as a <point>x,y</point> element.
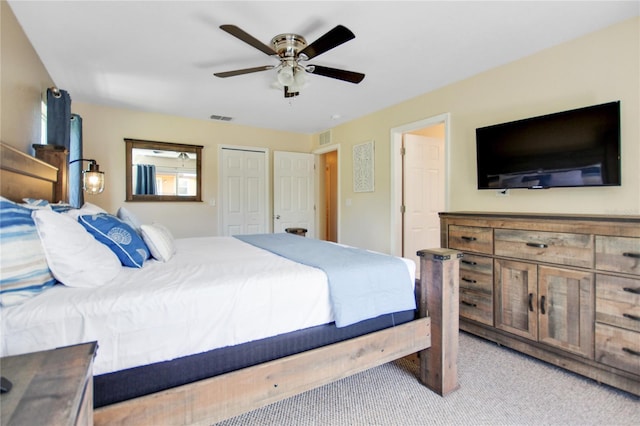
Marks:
<point>159,240</point>
<point>24,270</point>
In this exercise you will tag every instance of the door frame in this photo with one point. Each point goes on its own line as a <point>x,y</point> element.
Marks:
<point>318,152</point>
<point>396,172</point>
<point>267,183</point>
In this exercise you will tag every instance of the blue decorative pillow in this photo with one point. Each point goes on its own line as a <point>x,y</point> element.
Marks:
<point>121,238</point>
<point>23,265</point>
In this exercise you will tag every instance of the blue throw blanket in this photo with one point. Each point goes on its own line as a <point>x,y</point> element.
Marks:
<point>362,284</point>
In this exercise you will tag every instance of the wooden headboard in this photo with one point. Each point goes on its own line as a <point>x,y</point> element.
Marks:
<point>22,176</point>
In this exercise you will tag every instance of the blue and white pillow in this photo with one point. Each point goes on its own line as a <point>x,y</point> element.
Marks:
<point>56,207</point>
<point>121,238</point>
<point>23,264</point>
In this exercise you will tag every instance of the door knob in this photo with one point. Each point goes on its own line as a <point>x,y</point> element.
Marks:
<point>277,216</point>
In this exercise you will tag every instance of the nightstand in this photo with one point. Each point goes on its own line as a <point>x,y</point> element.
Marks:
<point>53,387</point>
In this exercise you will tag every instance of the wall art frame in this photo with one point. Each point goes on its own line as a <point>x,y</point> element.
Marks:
<point>364,167</point>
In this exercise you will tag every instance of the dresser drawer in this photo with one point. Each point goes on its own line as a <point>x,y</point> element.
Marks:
<point>618,301</point>
<point>618,348</point>
<point>618,254</point>
<point>471,238</point>
<point>476,273</point>
<point>476,306</point>
<point>553,247</point>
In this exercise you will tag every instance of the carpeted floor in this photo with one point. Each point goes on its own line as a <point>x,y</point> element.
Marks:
<point>498,386</point>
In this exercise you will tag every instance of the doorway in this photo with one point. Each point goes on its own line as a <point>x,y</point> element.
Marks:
<point>419,185</point>
<point>328,206</point>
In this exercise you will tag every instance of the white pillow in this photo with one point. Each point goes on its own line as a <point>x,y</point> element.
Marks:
<point>75,258</point>
<point>129,218</point>
<point>159,241</point>
<point>86,209</point>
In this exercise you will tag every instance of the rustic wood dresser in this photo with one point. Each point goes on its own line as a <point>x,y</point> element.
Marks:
<point>561,288</point>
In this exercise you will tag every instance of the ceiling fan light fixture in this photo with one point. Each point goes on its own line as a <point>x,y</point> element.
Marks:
<point>300,77</point>
<point>285,75</point>
<point>291,50</point>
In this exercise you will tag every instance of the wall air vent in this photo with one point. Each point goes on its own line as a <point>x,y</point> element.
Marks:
<point>220,118</point>
<point>325,137</point>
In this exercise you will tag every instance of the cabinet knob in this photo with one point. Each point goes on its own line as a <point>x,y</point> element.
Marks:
<point>631,351</point>
<point>531,302</point>
<point>537,245</point>
<point>632,317</point>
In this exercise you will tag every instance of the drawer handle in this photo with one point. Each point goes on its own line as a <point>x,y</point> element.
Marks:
<point>630,316</point>
<point>473,305</point>
<point>468,280</point>
<point>542,300</point>
<point>469,262</point>
<point>469,238</point>
<point>537,245</point>
<point>632,255</point>
<point>631,351</point>
<point>531,302</point>
<point>632,290</point>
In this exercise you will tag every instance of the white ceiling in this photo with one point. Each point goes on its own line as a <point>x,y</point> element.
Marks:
<point>160,56</point>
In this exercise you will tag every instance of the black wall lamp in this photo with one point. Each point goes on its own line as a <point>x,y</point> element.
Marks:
<point>92,178</point>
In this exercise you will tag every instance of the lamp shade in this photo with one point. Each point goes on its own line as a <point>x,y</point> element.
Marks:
<point>93,179</point>
<point>285,76</point>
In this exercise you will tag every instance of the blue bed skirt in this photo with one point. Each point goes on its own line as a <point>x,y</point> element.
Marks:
<point>134,382</point>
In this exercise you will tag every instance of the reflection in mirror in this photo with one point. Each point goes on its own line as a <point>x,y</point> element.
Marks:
<point>161,171</point>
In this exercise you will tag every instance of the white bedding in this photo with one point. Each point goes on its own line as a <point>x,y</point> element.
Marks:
<point>214,292</point>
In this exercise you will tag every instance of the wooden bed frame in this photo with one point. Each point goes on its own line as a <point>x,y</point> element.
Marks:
<point>433,335</point>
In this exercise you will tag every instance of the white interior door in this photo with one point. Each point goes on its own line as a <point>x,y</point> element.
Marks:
<point>244,189</point>
<point>423,183</point>
<point>293,191</point>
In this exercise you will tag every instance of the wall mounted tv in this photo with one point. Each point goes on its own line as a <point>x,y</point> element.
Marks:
<point>580,147</point>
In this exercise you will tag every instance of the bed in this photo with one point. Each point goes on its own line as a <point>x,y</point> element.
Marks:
<point>248,367</point>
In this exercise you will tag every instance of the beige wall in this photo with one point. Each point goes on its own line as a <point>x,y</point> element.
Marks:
<point>597,68</point>
<point>104,130</point>
<point>23,80</point>
<point>600,67</point>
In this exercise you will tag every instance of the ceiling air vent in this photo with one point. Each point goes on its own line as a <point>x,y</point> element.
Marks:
<point>220,118</point>
<point>325,137</point>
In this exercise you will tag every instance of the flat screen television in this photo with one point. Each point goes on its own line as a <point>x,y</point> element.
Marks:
<point>580,147</point>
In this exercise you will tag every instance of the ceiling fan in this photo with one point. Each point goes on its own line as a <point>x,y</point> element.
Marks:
<point>291,50</point>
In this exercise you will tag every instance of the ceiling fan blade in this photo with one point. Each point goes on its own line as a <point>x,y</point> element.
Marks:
<point>350,76</point>
<point>243,71</point>
<point>248,38</point>
<point>335,37</point>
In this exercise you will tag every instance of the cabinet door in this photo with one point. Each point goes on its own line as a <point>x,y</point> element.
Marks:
<point>566,309</point>
<point>515,289</point>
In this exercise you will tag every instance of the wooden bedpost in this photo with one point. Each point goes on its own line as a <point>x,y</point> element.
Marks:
<point>438,298</point>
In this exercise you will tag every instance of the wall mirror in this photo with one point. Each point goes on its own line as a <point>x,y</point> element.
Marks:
<point>163,171</point>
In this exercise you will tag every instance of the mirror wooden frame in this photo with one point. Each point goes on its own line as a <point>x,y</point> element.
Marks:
<point>163,146</point>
